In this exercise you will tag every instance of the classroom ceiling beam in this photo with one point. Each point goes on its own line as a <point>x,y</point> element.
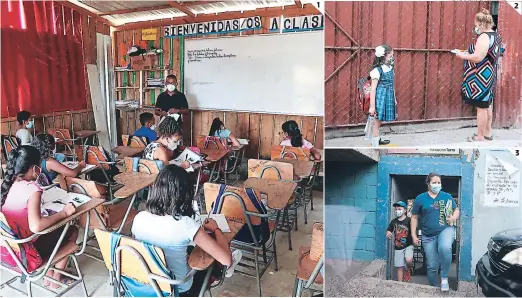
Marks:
<point>131,10</point>
<point>182,8</point>
<point>288,11</point>
<point>85,11</point>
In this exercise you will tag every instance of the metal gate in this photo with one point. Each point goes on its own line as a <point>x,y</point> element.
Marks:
<point>427,75</point>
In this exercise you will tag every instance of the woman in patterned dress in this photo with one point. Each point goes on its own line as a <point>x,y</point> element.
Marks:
<point>480,73</point>
<point>382,95</point>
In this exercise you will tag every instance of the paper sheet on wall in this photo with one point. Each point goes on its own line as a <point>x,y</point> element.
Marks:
<point>502,183</point>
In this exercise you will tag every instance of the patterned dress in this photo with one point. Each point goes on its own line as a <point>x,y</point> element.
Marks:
<point>385,97</point>
<point>479,79</point>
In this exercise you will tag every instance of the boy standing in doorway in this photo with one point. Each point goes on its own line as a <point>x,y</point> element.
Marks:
<point>403,243</point>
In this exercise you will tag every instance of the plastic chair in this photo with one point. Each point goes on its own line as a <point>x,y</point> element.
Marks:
<point>273,170</point>
<point>64,138</point>
<point>14,246</point>
<point>134,141</point>
<point>289,152</point>
<point>139,268</point>
<point>238,204</point>
<point>311,261</point>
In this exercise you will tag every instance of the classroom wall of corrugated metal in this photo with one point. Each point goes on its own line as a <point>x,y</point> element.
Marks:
<point>427,75</point>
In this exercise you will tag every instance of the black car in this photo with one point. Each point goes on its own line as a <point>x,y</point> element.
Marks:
<point>499,271</point>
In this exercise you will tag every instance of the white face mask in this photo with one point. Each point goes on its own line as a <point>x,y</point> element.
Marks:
<point>399,213</point>
<point>172,145</point>
<point>153,127</point>
<point>171,87</point>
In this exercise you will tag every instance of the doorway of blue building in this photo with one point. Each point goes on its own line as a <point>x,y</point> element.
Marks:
<point>406,188</point>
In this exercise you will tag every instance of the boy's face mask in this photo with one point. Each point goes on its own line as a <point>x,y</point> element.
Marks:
<point>399,212</point>
<point>30,124</point>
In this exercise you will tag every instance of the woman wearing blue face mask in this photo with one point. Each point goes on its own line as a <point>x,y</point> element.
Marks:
<point>437,212</point>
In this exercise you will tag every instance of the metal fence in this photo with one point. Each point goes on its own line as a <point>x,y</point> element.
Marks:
<point>427,75</point>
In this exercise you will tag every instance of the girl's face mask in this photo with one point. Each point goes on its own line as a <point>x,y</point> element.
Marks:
<point>390,61</point>
<point>477,30</point>
<point>172,144</point>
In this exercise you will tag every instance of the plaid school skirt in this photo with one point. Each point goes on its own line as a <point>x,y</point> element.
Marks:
<point>385,104</point>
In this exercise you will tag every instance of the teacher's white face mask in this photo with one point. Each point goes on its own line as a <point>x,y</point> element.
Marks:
<point>171,87</point>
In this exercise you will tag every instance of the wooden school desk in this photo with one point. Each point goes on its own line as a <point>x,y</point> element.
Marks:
<point>214,156</point>
<point>200,260</point>
<point>278,192</point>
<point>132,183</point>
<point>302,168</point>
<point>85,134</point>
<point>125,151</point>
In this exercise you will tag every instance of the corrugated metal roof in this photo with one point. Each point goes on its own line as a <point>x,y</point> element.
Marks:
<point>161,10</point>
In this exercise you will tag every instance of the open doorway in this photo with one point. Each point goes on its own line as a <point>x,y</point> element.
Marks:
<point>406,188</point>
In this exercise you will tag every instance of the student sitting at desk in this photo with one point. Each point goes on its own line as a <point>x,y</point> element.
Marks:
<point>294,138</point>
<point>170,206</point>
<point>21,201</point>
<point>169,134</point>
<point>51,167</point>
<point>218,130</point>
<point>147,127</point>
<point>26,123</point>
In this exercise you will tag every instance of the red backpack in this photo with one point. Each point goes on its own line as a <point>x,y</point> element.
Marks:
<point>364,86</point>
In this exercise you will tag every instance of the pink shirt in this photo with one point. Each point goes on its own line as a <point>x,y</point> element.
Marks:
<point>306,144</point>
<point>15,206</point>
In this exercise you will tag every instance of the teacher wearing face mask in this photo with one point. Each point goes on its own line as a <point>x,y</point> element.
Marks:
<point>437,212</point>
<point>172,101</point>
<point>480,73</point>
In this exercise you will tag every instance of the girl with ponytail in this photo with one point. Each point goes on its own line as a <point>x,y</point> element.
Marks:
<point>21,205</point>
<point>294,138</point>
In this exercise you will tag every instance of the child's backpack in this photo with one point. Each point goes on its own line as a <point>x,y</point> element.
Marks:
<point>364,86</point>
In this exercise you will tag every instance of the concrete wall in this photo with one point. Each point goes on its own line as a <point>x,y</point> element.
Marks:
<point>351,202</point>
<point>490,220</point>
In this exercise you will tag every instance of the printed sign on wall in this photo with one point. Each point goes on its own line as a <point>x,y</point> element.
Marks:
<point>214,27</point>
<point>296,24</point>
<point>149,34</point>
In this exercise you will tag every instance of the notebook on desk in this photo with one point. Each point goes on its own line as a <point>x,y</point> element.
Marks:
<point>220,219</point>
<point>74,164</point>
<point>54,199</point>
<point>190,156</point>
<point>242,141</point>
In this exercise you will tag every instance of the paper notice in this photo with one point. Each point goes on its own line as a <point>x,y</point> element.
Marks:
<point>502,183</point>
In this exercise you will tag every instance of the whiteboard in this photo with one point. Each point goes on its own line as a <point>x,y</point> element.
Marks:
<point>281,73</point>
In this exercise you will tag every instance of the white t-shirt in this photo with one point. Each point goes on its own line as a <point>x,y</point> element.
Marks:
<point>173,237</point>
<point>375,75</point>
<point>25,136</point>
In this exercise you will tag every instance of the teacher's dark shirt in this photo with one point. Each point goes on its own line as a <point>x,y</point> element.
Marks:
<point>165,102</point>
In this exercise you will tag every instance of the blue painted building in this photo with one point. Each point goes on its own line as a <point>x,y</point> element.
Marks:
<point>361,187</point>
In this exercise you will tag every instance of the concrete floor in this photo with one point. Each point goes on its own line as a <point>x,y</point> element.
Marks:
<point>278,283</point>
<point>439,138</point>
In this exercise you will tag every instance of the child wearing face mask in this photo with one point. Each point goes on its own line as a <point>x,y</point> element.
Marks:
<point>147,127</point>
<point>26,126</point>
<point>169,135</point>
<point>382,95</point>
<point>21,206</point>
<point>51,167</point>
<point>403,243</point>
